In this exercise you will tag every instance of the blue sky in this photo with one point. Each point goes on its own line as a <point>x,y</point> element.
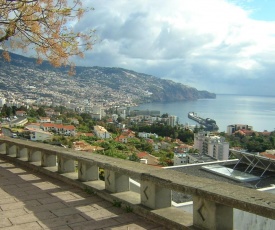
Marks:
<point>260,9</point>
<point>223,46</point>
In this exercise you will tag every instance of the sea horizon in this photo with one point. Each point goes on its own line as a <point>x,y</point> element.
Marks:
<point>225,109</point>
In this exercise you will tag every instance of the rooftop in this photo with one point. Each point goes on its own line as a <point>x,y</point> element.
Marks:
<point>199,170</point>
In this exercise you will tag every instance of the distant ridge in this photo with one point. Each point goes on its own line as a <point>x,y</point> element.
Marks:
<point>108,81</point>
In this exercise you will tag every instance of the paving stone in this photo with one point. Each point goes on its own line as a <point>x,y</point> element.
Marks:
<point>16,170</point>
<point>61,221</point>
<point>30,178</point>
<point>27,226</point>
<point>38,195</point>
<point>48,200</point>
<point>82,201</point>
<point>45,185</point>
<point>102,204</point>
<point>35,201</point>
<point>86,208</point>
<point>101,214</point>
<point>7,200</point>
<point>46,207</point>
<point>127,217</point>
<point>65,211</point>
<point>65,227</point>
<point>32,217</point>
<point>15,205</point>
<point>12,213</point>
<point>134,227</point>
<point>64,197</point>
<point>90,225</point>
<point>4,222</point>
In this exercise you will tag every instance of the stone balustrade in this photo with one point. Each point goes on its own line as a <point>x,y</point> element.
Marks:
<point>213,201</point>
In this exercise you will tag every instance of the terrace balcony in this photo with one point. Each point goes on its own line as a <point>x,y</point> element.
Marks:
<point>49,187</point>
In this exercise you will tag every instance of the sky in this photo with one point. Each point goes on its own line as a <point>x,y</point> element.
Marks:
<point>223,46</point>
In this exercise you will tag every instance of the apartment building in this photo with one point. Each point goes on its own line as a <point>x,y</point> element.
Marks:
<point>211,145</point>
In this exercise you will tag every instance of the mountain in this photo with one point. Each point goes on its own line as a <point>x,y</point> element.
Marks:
<point>23,75</point>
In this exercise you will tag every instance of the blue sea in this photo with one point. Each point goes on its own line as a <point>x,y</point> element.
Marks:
<point>256,111</point>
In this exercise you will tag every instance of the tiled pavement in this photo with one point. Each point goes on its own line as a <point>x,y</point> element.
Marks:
<point>34,201</point>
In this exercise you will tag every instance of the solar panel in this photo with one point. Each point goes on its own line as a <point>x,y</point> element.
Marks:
<point>254,160</point>
<point>230,173</point>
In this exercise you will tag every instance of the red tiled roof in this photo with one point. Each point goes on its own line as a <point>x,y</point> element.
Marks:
<point>48,125</point>
<point>271,156</point>
<point>142,154</point>
<point>69,127</point>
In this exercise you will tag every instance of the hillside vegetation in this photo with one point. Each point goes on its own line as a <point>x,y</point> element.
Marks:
<point>97,82</point>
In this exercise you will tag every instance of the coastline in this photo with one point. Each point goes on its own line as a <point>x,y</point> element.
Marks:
<point>226,109</point>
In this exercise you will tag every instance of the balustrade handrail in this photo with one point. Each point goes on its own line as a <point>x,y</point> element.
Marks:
<point>246,199</point>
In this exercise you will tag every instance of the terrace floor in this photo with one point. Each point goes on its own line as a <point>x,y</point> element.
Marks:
<point>30,200</point>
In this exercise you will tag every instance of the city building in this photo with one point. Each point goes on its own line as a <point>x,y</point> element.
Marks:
<point>233,128</point>
<point>20,113</point>
<point>180,159</point>
<point>44,120</point>
<point>39,135</point>
<point>2,102</point>
<point>211,145</point>
<point>68,130</point>
<point>147,135</point>
<point>172,120</point>
<point>101,132</point>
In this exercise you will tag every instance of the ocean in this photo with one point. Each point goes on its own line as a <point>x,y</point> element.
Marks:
<point>256,111</point>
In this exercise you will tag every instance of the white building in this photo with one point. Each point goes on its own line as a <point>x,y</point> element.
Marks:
<point>101,132</point>
<point>180,158</point>
<point>211,145</point>
<point>114,117</point>
<point>2,101</point>
<point>147,135</point>
<point>97,112</point>
<point>172,120</point>
<point>39,135</point>
<point>44,119</point>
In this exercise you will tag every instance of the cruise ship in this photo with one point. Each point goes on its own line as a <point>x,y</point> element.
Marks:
<point>208,123</point>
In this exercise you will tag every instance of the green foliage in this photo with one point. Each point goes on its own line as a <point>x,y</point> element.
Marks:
<point>254,143</point>
<point>86,117</point>
<point>32,113</point>
<point>83,128</point>
<point>115,153</point>
<point>120,119</point>
<point>134,157</point>
<point>165,161</point>
<point>165,115</point>
<point>88,190</point>
<point>128,208</point>
<point>112,128</point>
<point>163,130</point>
<point>117,203</point>
<point>41,112</point>
<point>6,111</point>
<point>32,120</point>
<point>101,174</point>
<point>89,139</point>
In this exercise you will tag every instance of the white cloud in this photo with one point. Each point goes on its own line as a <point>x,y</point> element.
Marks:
<point>211,45</point>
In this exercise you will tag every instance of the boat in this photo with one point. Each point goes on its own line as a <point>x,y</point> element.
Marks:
<point>207,123</point>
